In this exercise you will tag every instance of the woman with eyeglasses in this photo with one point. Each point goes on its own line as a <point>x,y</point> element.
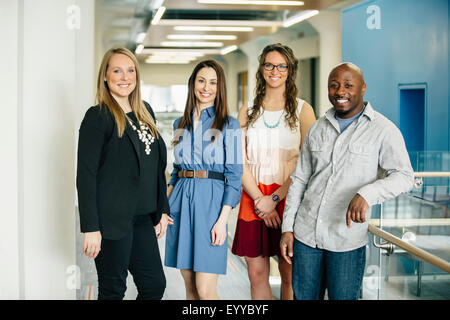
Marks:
<point>275,124</point>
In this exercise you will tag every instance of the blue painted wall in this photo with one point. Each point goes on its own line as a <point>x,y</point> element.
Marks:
<point>411,47</point>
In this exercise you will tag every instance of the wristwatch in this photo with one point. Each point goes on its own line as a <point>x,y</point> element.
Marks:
<point>276,198</point>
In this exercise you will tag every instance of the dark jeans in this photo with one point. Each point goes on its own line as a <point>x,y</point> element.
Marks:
<point>138,252</point>
<point>314,270</point>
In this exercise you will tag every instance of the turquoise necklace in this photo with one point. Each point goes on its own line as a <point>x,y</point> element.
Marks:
<point>274,125</point>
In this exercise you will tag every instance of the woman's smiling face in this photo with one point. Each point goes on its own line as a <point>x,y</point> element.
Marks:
<point>275,78</point>
<point>205,87</point>
<point>121,76</point>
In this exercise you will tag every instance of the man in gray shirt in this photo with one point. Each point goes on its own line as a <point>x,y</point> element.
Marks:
<point>352,158</point>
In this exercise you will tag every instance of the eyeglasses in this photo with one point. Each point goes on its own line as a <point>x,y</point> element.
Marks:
<point>280,67</point>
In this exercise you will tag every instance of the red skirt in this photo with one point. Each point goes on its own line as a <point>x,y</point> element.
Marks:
<point>252,237</point>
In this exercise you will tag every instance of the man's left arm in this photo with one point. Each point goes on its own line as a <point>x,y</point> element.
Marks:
<point>399,177</point>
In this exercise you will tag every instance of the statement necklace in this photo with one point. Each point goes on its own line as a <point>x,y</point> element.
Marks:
<point>144,134</point>
<point>274,125</point>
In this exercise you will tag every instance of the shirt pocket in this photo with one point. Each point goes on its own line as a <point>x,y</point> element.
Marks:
<point>320,154</point>
<point>317,146</point>
<point>361,149</point>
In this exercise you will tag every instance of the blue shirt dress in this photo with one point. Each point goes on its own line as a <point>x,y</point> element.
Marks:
<point>195,203</point>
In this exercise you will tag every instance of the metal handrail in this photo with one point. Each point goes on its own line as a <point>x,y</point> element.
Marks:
<point>420,253</point>
<point>431,174</point>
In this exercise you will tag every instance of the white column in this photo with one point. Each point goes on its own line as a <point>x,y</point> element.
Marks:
<point>49,81</point>
<point>9,220</point>
<point>253,49</point>
<point>236,62</point>
<point>328,24</point>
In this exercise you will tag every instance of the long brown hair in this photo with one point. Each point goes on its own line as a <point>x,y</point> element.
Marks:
<point>105,98</point>
<point>220,102</point>
<point>290,93</point>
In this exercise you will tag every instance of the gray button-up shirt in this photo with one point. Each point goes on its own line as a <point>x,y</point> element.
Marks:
<point>368,158</point>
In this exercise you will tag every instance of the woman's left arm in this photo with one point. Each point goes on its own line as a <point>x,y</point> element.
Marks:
<point>233,169</point>
<point>233,163</point>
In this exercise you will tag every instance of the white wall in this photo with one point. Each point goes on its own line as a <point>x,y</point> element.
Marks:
<point>54,80</point>
<point>9,220</point>
<point>234,63</point>
<point>328,24</point>
<point>165,75</point>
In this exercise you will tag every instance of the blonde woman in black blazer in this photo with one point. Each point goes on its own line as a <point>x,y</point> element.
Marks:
<point>121,183</point>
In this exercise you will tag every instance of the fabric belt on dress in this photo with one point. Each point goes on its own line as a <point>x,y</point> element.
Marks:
<point>202,174</point>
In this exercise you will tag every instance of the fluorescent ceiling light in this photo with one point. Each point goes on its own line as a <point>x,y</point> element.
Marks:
<point>139,49</point>
<point>235,23</point>
<point>169,59</point>
<point>191,44</point>
<point>192,51</point>
<point>206,28</point>
<point>168,62</point>
<point>228,49</point>
<point>201,37</point>
<point>140,37</point>
<point>299,17</point>
<point>179,53</point>
<point>158,15</point>
<point>254,2</point>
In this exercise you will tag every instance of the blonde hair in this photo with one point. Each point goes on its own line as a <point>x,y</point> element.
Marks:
<point>105,98</point>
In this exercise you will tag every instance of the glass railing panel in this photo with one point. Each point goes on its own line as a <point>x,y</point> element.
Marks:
<point>422,219</point>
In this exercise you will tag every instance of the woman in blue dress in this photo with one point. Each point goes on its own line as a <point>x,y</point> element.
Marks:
<point>205,183</point>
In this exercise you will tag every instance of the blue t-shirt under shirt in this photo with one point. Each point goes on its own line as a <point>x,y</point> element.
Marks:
<point>344,123</point>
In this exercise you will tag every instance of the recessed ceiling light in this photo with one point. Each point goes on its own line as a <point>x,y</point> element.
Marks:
<point>299,17</point>
<point>140,37</point>
<point>206,28</point>
<point>201,37</point>
<point>192,51</point>
<point>139,49</point>
<point>228,49</point>
<point>168,62</point>
<point>191,44</point>
<point>177,52</point>
<point>231,23</point>
<point>254,2</point>
<point>158,15</point>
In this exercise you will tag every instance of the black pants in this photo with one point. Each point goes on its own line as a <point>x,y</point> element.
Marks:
<point>138,252</point>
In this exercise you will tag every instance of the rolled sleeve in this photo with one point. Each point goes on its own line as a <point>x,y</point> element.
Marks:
<point>233,166</point>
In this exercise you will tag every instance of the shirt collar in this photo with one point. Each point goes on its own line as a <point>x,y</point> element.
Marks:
<point>368,110</point>
<point>209,112</point>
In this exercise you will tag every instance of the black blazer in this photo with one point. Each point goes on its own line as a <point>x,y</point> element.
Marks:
<point>108,172</point>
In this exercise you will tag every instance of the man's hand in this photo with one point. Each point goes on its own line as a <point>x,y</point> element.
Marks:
<point>287,246</point>
<point>356,211</point>
<point>272,220</point>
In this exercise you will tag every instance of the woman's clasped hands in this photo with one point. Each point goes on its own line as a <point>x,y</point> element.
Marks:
<point>265,209</point>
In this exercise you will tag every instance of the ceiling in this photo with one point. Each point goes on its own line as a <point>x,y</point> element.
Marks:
<point>189,30</point>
